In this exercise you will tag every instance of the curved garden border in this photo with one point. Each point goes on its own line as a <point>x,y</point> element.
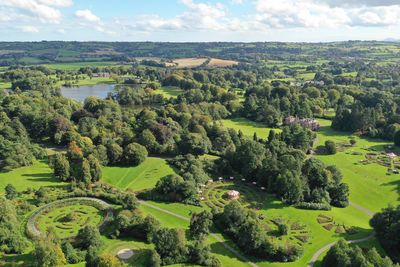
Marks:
<point>95,202</point>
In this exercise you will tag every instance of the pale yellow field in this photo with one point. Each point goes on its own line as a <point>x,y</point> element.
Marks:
<point>215,62</point>
<point>189,62</point>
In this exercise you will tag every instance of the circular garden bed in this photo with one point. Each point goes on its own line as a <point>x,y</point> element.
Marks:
<point>68,216</point>
<point>215,195</point>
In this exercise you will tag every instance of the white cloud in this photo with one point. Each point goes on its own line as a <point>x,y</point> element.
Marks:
<point>35,9</point>
<point>360,2</point>
<point>238,2</point>
<point>29,29</point>
<point>60,3</point>
<point>87,15</point>
<point>198,16</point>
<point>320,14</point>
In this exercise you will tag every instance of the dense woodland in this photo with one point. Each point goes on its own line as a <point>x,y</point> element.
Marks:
<point>136,121</point>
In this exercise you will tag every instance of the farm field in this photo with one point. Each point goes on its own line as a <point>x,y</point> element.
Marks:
<point>137,178</point>
<point>215,62</point>
<point>248,127</point>
<point>189,62</point>
<point>196,62</point>
<point>78,65</point>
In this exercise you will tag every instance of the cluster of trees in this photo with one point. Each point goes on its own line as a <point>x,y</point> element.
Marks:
<point>11,238</point>
<point>271,103</point>
<point>171,245</point>
<point>279,165</point>
<point>74,166</point>
<point>373,113</point>
<point>51,251</point>
<point>344,255</point>
<point>245,227</point>
<point>16,149</point>
<point>387,227</point>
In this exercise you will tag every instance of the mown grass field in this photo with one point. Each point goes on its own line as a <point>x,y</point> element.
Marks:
<point>169,91</point>
<point>248,127</point>
<point>137,178</point>
<point>370,186</point>
<point>35,176</point>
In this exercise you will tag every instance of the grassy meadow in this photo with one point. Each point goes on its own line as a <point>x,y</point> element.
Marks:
<point>34,176</point>
<point>370,186</point>
<point>137,178</point>
<point>248,127</point>
<point>170,91</point>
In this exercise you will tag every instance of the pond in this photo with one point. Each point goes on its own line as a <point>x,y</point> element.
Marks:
<point>80,93</point>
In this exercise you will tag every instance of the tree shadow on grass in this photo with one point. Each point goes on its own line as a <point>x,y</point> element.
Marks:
<point>220,249</point>
<point>360,233</point>
<point>247,122</point>
<point>396,184</point>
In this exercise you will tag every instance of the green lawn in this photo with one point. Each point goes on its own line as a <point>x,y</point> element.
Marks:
<point>170,91</point>
<point>370,186</point>
<point>248,127</point>
<point>308,76</point>
<point>5,85</point>
<point>140,177</point>
<point>35,176</point>
<point>90,81</point>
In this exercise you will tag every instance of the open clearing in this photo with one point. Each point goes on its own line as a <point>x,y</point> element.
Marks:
<point>137,178</point>
<point>169,91</point>
<point>35,176</point>
<point>248,127</point>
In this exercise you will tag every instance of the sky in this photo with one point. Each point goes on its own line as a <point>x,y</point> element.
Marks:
<point>199,20</point>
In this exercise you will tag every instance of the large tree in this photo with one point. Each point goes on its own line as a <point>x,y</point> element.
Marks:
<point>134,154</point>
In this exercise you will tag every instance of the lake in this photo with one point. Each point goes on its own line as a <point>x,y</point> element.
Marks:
<point>80,93</point>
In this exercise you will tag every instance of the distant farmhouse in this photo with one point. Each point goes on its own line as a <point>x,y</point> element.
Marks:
<point>101,74</point>
<point>312,124</point>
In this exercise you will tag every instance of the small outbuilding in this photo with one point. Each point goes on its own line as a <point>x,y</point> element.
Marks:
<point>233,194</point>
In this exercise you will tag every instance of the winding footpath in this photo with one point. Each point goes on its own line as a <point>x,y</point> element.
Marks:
<point>325,248</point>
<point>243,258</point>
<point>216,237</point>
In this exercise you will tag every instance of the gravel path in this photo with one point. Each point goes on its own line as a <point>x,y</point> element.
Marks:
<point>325,248</point>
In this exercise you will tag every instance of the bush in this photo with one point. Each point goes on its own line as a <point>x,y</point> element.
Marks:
<point>330,147</point>
<point>312,206</point>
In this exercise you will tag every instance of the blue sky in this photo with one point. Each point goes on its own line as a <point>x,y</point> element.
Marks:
<point>199,20</point>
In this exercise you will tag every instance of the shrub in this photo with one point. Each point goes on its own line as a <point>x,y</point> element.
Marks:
<point>313,206</point>
<point>330,147</point>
